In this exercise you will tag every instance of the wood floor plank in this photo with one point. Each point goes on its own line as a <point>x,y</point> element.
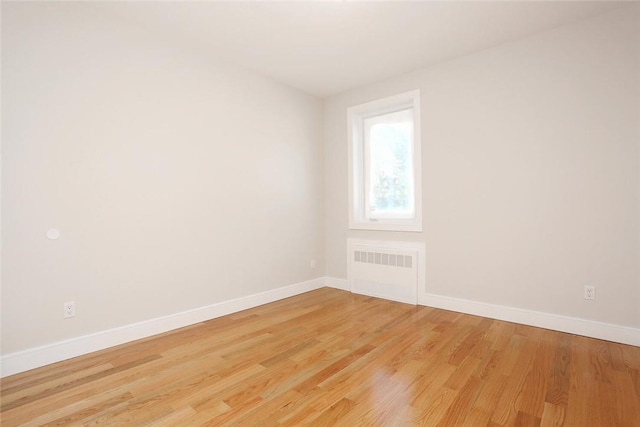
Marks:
<point>462,403</point>
<point>329,357</point>
<point>553,415</point>
<point>28,398</point>
<point>531,399</point>
<point>506,411</point>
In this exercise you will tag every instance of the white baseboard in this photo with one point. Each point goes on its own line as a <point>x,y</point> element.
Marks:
<point>40,356</point>
<point>556,322</point>
<point>334,282</point>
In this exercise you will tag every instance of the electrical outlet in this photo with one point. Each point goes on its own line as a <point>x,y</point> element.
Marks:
<point>69,309</point>
<point>589,292</point>
<point>312,264</point>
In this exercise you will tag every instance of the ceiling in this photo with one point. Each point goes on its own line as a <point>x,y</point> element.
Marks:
<point>324,48</point>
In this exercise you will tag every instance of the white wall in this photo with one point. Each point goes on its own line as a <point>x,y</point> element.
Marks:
<point>531,163</point>
<point>176,182</point>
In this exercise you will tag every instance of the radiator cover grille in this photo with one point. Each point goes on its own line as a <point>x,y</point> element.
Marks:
<point>385,269</point>
<point>390,259</point>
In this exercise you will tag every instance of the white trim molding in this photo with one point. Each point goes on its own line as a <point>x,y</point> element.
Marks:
<point>334,282</point>
<point>25,360</point>
<point>40,356</point>
<point>556,322</point>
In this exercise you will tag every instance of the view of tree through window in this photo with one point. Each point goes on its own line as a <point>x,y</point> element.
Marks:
<point>390,175</point>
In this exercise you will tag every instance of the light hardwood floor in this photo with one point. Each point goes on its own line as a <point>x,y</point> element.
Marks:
<point>328,357</point>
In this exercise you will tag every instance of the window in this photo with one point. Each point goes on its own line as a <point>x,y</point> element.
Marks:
<point>384,164</point>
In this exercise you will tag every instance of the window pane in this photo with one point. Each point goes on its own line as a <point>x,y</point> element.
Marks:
<point>389,180</point>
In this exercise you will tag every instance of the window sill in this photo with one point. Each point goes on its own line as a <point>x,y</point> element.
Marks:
<point>386,226</point>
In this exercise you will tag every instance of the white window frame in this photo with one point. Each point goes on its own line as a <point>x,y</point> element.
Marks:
<point>359,217</point>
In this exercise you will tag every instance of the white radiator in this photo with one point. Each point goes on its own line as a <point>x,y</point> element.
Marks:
<point>390,270</point>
